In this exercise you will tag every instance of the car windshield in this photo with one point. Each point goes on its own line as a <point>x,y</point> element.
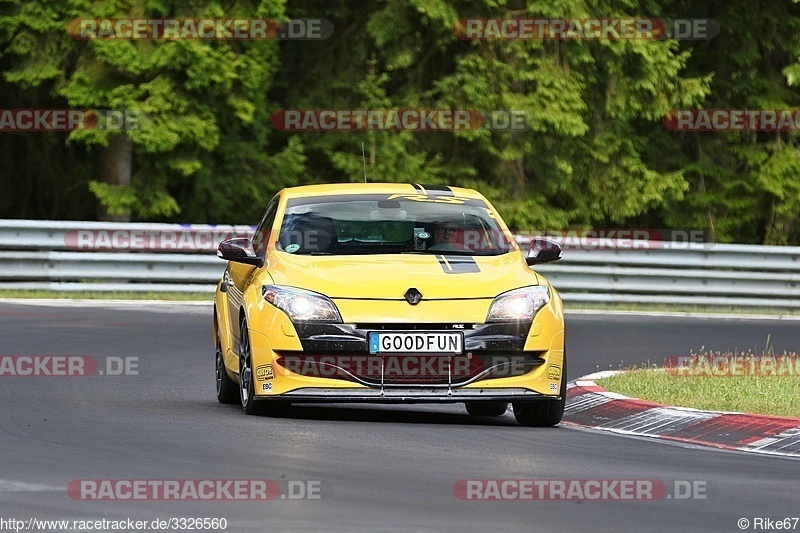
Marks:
<point>391,224</point>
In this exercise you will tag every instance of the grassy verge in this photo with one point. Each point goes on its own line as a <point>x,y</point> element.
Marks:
<point>95,295</point>
<point>748,394</point>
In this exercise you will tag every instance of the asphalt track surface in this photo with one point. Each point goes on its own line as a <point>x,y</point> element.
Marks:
<point>389,468</point>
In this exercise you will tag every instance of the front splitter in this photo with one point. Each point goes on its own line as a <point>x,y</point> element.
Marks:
<point>407,395</point>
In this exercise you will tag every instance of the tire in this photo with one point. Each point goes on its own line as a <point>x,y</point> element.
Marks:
<point>543,413</point>
<point>247,386</point>
<point>487,408</point>
<point>227,391</point>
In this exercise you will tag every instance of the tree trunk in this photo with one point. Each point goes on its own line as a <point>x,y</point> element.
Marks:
<point>115,168</point>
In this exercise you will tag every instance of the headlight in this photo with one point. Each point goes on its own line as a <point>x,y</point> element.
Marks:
<point>301,305</point>
<point>519,304</point>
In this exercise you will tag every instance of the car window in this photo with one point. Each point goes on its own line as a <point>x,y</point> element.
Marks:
<point>374,224</point>
<point>260,238</point>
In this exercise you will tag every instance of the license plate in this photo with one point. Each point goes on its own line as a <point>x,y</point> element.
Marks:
<point>416,342</point>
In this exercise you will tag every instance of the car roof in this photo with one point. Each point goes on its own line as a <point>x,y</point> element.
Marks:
<point>379,188</point>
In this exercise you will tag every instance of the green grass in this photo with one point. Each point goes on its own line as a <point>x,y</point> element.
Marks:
<point>748,394</point>
<point>96,295</point>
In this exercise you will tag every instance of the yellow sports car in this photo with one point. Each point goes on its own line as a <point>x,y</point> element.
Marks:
<point>388,293</point>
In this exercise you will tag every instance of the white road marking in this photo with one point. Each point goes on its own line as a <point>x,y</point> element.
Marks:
<point>662,420</point>
<point>6,485</point>
<point>157,306</point>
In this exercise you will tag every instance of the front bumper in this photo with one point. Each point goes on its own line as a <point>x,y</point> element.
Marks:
<point>406,395</point>
<point>276,341</point>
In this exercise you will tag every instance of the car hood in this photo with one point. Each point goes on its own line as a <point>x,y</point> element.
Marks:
<point>388,277</point>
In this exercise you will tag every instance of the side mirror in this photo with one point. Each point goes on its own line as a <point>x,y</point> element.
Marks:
<point>543,251</point>
<point>239,250</point>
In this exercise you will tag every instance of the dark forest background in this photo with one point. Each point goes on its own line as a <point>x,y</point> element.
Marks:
<point>597,155</point>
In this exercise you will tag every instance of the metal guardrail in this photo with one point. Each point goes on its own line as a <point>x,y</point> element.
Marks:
<point>692,274</point>
<point>99,256</point>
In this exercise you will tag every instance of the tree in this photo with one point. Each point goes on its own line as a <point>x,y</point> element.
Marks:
<point>744,186</point>
<point>199,101</point>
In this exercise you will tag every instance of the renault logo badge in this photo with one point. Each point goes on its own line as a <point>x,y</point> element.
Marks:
<point>413,296</point>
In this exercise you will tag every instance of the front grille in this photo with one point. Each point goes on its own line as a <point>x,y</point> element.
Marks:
<point>406,369</point>
<point>415,327</point>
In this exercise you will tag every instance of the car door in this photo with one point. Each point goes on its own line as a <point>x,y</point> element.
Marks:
<point>238,275</point>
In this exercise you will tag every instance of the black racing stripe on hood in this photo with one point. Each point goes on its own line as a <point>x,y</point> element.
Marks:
<point>458,264</point>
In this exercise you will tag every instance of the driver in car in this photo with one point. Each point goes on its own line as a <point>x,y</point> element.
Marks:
<point>448,236</point>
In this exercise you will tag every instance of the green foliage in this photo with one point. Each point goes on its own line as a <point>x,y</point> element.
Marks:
<point>194,96</point>
<point>743,186</point>
<point>596,152</point>
<point>146,201</point>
